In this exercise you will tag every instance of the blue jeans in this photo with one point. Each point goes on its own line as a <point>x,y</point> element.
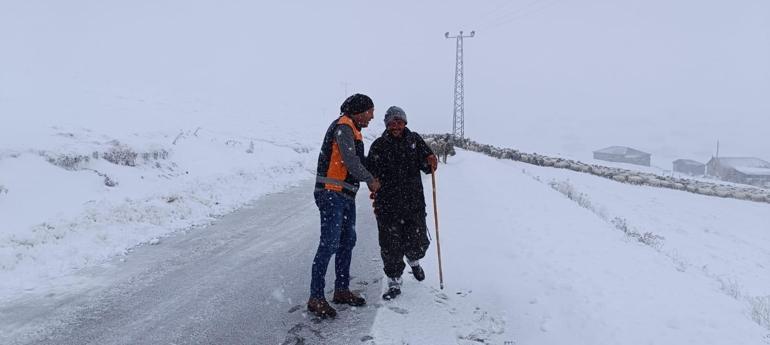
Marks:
<point>338,237</point>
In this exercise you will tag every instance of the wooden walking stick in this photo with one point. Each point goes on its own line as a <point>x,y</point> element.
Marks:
<point>435,218</point>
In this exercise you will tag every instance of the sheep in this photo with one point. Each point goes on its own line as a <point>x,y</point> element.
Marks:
<point>442,147</point>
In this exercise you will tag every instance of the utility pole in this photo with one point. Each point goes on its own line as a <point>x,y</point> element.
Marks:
<point>458,118</point>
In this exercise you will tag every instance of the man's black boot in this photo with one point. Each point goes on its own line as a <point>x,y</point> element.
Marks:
<point>394,289</point>
<point>391,294</point>
<point>418,273</point>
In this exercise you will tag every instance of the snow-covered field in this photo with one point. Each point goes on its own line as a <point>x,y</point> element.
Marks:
<point>532,255</point>
<point>72,197</point>
<point>537,255</point>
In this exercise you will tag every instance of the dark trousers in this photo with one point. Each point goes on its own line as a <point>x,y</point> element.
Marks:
<point>338,237</point>
<point>401,237</point>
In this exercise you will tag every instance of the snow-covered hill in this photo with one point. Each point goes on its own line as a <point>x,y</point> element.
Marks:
<point>535,255</point>
<point>72,198</point>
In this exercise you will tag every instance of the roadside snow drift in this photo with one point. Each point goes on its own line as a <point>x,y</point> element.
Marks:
<point>535,255</point>
<point>75,198</point>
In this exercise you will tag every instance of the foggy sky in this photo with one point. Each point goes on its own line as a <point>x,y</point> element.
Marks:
<point>565,76</point>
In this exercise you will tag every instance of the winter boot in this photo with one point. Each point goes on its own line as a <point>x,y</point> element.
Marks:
<point>320,308</point>
<point>417,271</point>
<point>394,289</point>
<point>391,294</point>
<point>348,297</point>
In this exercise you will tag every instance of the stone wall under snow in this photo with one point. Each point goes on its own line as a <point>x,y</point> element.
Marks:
<point>749,193</point>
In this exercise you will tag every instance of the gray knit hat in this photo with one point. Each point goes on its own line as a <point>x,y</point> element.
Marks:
<point>393,113</point>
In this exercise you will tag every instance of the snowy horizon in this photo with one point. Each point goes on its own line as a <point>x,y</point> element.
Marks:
<point>552,76</point>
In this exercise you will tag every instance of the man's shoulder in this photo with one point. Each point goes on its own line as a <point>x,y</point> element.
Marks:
<point>343,130</point>
<point>412,135</point>
<point>378,142</point>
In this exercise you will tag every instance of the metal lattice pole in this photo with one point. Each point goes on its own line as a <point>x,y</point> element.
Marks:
<point>458,117</point>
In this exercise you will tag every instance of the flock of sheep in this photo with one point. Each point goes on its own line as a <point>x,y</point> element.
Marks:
<point>441,145</point>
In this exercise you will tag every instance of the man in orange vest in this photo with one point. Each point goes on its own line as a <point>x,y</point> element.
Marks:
<point>340,169</point>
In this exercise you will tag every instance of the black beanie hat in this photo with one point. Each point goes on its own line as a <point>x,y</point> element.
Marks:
<point>355,104</point>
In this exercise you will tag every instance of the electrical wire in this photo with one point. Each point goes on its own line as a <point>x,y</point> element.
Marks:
<point>517,14</point>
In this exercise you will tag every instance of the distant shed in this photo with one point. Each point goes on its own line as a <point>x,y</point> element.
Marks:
<point>746,170</point>
<point>623,154</point>
<point>689,166</point>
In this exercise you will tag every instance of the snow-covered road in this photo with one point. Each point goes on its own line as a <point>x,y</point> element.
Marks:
<point>243,280</point>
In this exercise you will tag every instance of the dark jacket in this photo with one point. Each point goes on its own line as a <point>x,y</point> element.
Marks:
<point>397,163</point>
<point>341,160</point>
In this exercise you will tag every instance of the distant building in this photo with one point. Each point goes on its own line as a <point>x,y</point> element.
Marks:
<point>623,154</point>
<point>746,170</point>
<point>689,166</point>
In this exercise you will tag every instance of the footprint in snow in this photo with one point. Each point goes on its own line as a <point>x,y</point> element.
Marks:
<point>545,324</point>
<point>440,301</point>
<point>299,333</point>
<point>401,311</point>
<point>441,298</point>
<point>463,293</point>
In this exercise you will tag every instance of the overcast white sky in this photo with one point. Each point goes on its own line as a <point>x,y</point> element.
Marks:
<point>564,76</point>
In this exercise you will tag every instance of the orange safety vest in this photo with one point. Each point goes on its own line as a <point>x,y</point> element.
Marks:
<point>332,174</point>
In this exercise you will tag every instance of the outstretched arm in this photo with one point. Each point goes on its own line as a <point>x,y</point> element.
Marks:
<point>356,168</point>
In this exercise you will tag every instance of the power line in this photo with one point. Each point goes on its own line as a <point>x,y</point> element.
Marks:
<point>525,11</point>
<point>494,11</point>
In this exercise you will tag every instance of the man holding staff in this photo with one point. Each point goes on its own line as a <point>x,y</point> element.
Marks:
<point>396,159</point>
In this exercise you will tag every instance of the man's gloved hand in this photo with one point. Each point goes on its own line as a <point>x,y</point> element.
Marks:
<point>432,162</point>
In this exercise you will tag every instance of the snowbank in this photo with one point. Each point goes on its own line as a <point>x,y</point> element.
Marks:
<point>534,255</point>
<point>73,198</point>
